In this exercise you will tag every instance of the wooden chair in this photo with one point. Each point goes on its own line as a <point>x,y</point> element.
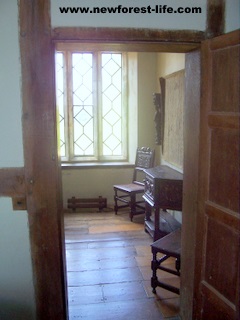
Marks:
<point>168,246</point>
<point>125,195</point>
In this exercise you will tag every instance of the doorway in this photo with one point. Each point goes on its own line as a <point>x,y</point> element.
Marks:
<point>72,172</point>
<point>191,116</point>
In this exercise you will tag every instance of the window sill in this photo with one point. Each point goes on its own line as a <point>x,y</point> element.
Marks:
<point>94,165</point>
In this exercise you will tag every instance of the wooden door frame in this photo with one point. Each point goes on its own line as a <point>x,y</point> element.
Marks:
<point>188,43</point>
<point>40,179</point>
<point>41,165</point>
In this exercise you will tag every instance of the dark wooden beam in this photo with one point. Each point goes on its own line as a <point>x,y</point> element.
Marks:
<point>163,40</point>
<point>12,182</point>
<point>42,174</point>
<point>215,18</point>
<point>133,46</point>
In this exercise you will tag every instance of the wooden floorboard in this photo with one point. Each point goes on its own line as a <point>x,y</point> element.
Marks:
<point>109,269</point>
<point>134,309</point>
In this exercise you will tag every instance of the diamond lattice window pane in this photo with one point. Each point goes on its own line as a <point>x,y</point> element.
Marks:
<point>106,80</point>
<point>86,130</point>
<point>83,146</point>
<point>89,130</point>
<point>78,130</point>
<point>117,130</point>
<point>117,80</point>
<point>83,116</point>
<point>111,117</point>
<point>82,71</point>
<point>82,62</point>
<point>118,150</point>
<point>112,92</point>
<point>116,105</point>
<point>112,103</point>
<point>80,152</point>
<point>106,105</point>
<point>117,57</point>
<point>59,72</point>
<point>111,144</point>
<point>111,63</point>
<point>107,130</point>
<point>82,76</point>
<point>82,96</point>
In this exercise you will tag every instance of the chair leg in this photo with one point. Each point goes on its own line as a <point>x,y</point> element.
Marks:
<point>154,266</point>
<point>132,206</point>
<point>178,264</point>
<point>115,202</point>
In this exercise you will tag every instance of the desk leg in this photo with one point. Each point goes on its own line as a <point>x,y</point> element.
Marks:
<point>148,212</point>
<point>156,224</point>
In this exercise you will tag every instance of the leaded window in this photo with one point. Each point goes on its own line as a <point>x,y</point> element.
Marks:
<point>92,105</point>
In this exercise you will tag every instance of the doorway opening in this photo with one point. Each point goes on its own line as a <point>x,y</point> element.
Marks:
<point>158,63</point>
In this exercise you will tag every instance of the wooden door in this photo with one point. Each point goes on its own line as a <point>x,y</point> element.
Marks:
<point>216,293</point>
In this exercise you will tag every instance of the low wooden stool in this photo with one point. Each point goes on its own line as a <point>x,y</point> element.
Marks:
<point>170,246</point>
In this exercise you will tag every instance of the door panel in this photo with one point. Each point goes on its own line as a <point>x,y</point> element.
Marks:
<point>217,250</point>
<point>228,99</point>
<point>224,167</point>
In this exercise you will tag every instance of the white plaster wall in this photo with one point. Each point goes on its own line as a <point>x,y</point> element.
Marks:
<point>152,21</point>
<point>147,74</point>
<point>93,182</point>
<point>232,15</point>
<point>130,20</point>
<point>169,63</point>
<point>16,282</point>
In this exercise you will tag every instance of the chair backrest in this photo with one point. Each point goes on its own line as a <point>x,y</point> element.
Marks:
<point>144,160</point>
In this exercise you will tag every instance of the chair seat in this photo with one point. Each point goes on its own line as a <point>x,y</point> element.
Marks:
<point>169,246</point>
<point>131,187</point>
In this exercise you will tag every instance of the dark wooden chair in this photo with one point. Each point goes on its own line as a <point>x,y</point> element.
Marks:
<point>125,195</point>
<point>168,246</point>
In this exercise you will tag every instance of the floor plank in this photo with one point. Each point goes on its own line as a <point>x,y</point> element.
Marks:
<point>96,277</point>
<point>131,310</point>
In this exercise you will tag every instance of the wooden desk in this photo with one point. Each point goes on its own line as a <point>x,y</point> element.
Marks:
<point>163,190</point>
